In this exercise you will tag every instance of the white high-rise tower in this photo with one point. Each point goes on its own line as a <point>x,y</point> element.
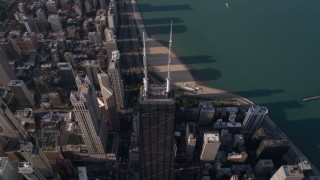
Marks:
<point>89,117</point>
<point>254,117</point>
<point>210,147</point>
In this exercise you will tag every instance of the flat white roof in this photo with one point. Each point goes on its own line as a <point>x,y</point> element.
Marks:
<point>82,171</point>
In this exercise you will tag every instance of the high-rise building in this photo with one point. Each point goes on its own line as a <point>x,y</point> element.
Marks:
<point>34,155</point>
<point>82,172</point>
<point>206,113</point>
<point>89,117</point>
<point>41,16</point>
<point>92,67</point>
<point>87,5</point>
<point>10,126</point>
<point>6,72</point>
<point>156,128</point>
<point>68,56</point>
<point>29,23</point>
<point>65,5</point>
<point>78,7</point>
<point>157,114</point>
<point>21,92</point>
<point>66,73</point>
<point>254,117</point>
<point>22,7</point>
<point>100,21</point>
<point>94,38</point>
<point>28,42</point>
<point>110,42</point>
<point>55,22</point>
<point>238,140</point>
<point>8,170</point>
<point>257,137</point>
<point>109,101</point>
<point>263,168</point>
<point>272,149</point>
<point>114,72</point>
<point>29,172</point>
<point>226,139</point>
<point>8,48</point>
<point>13,37</point>
<point>103,4</point>
<point>112,15</point>
<point>288,172</point>
<point>210,147</point>
<point>52,6</point>
<point>190,140</point>
<point>135,127</point>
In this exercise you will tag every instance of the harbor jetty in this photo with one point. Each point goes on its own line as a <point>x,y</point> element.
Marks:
<point>310,98</point>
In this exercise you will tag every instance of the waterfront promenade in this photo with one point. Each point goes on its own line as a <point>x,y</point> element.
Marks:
<point>157,56</point>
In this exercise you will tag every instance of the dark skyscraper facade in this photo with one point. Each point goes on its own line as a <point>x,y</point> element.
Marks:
<point>157,114</point>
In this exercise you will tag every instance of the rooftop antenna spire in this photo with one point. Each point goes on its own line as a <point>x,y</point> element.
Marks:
<point>145,79</point>
<point>169,62</point>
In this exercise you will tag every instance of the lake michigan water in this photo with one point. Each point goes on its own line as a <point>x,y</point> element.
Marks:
<point>265,50</point>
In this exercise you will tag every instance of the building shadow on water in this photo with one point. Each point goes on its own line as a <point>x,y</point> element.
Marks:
<point>208,74</point>
<point>144,7</point>
<point>199,59</point>
<point>165,21</point>
<point>258,93</point>
<point>162,59</point>
<point>184,75</point>
<point>154,30</point>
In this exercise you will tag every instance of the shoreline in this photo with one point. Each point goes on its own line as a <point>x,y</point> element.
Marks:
<point>181,74</point>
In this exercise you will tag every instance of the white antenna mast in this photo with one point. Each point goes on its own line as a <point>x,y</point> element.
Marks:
<point>169,62</point>
<point>145,79</point>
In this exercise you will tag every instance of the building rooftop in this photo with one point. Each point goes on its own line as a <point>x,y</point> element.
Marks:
<point>274,143</point>
<point>211,137</point>
<point>49,141</point>
<point>158,92</point>
<point>206,105</point>
<point>51,2</point>
<point>74,139</point>
<point>92,63</point>
<point>292,171</point>
<point>25,115</point>
<point>77,96</point>
<point>82,171</point>
<point>266,163</point>
<point>12,145</point>
<point>259,109</point>
<point>303,163</point>
<point>64,66</point>
<point>3,162</point>
<point>15,83</point>
<point>25,167</point>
